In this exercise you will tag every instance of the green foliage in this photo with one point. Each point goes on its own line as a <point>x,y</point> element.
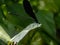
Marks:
<point>13,19</point>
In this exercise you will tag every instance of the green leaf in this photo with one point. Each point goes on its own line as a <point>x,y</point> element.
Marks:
<point>36,39</point>
<point>46,19</point>
<point>57,3</point>
<point>1,16</point>
<point>47,5</point>
<point>18,16</point>
<point>57,20</point>
<point>1,2</point>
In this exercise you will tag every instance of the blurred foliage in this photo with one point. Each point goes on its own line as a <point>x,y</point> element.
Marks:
<point>13,19</point>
